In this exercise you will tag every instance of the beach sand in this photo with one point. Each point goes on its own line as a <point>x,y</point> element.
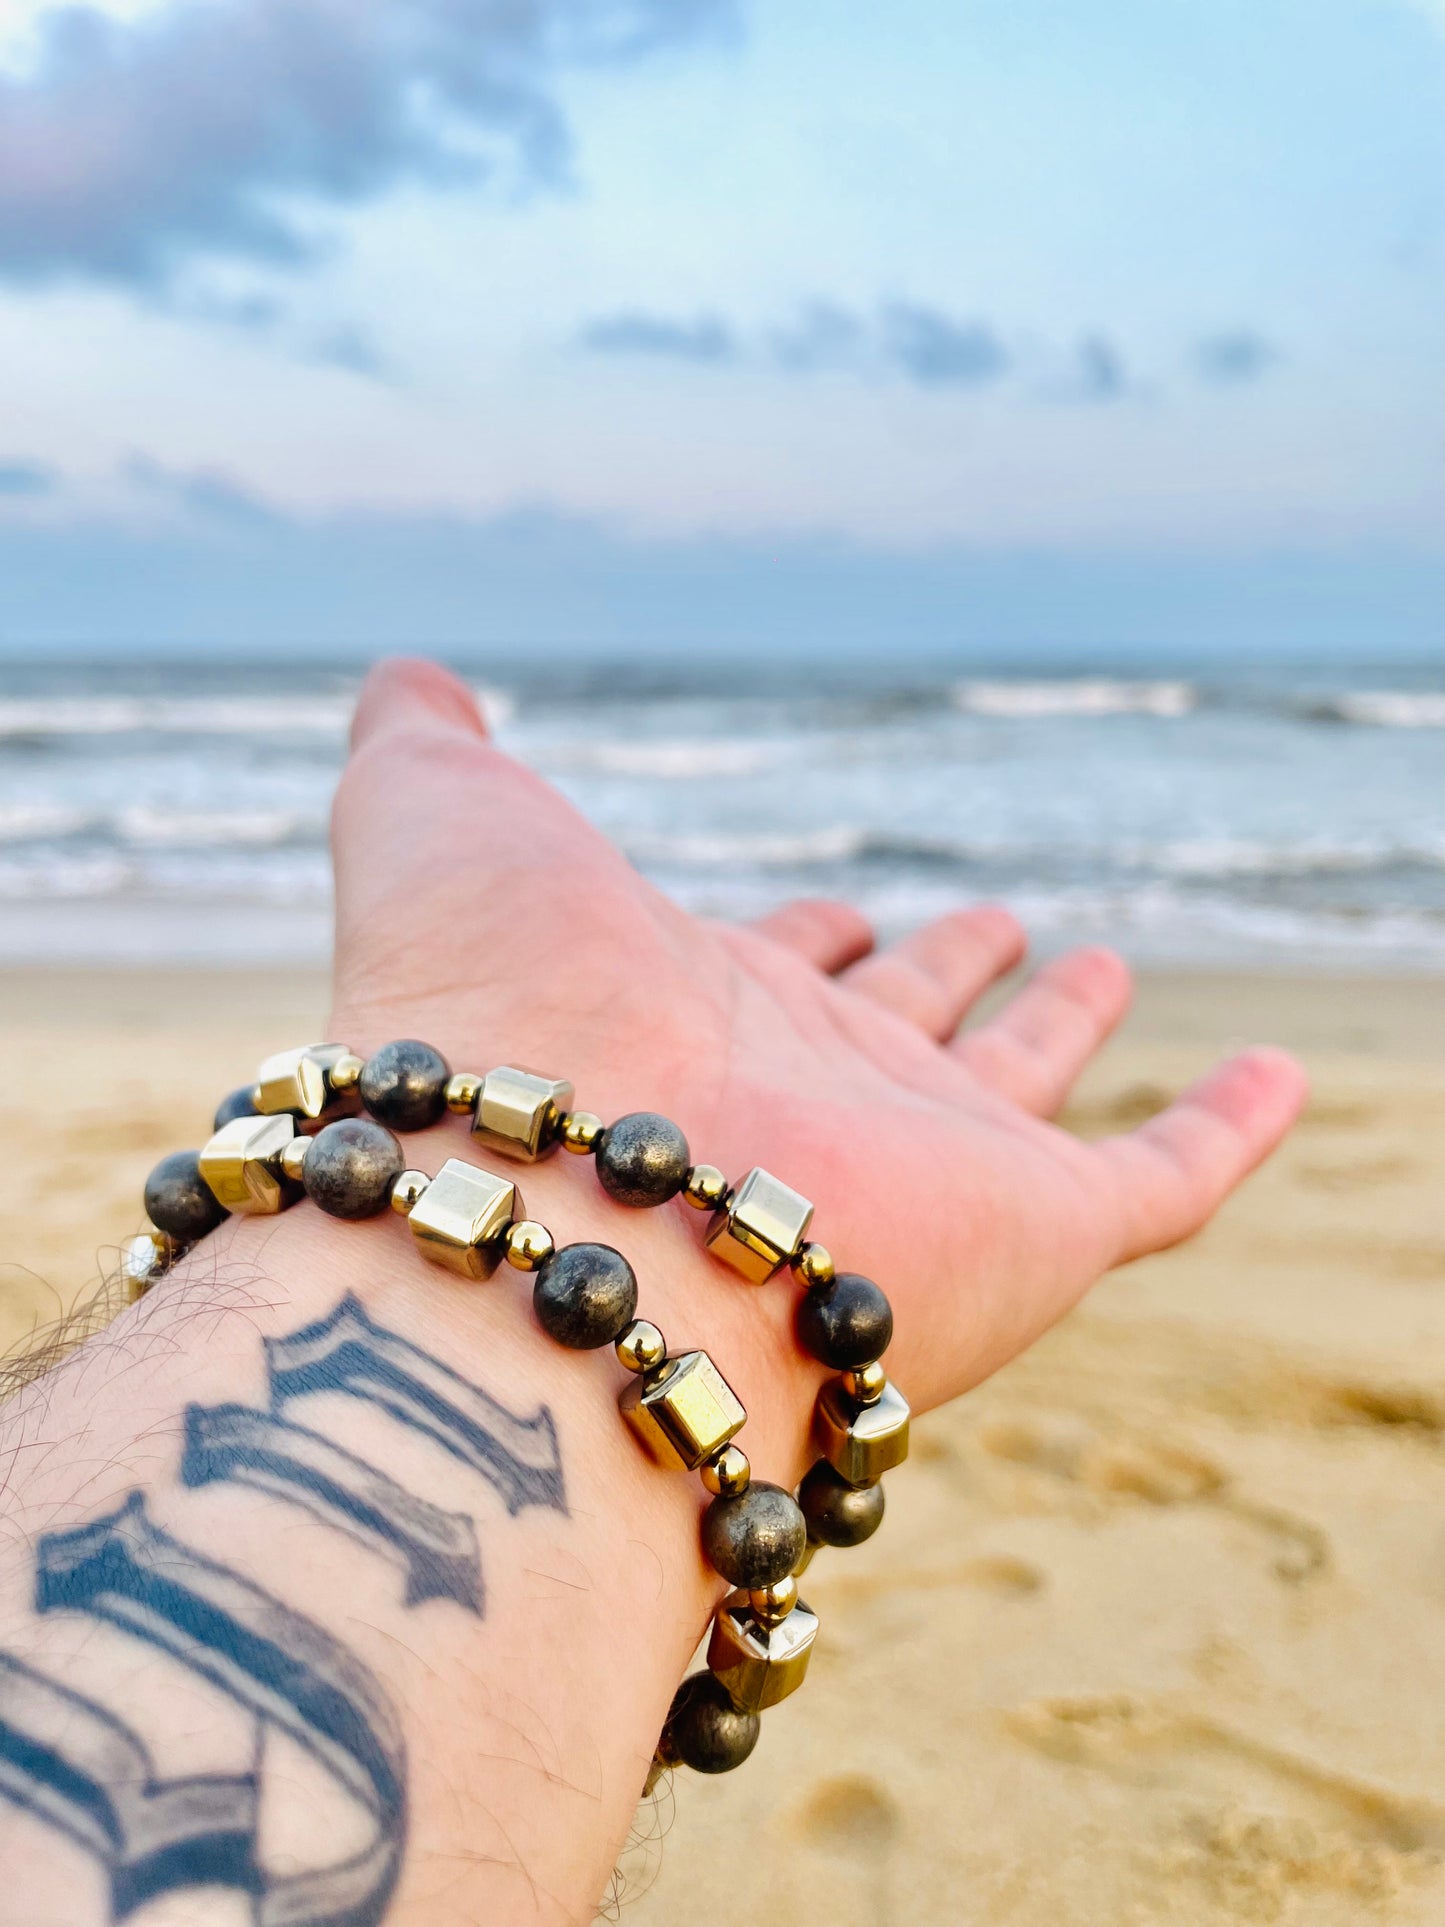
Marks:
<point>1156,1630</point>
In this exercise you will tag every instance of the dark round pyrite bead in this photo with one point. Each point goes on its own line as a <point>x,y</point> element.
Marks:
<point>585,1295</point>
<point>838,1514</point>
<point>642,1159</point>
<point>756,1539</point>
<point>846,1323</point>
<point>404,1085</point>
<point>704,1730</point>
<point>239,1104</point>
<point>350,1166</point>
<point>179,1201</point>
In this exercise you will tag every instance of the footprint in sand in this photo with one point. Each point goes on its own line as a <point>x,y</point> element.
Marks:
<point>1252,1819</point>
<point>1128,1467</point>
<point>855,1824</point>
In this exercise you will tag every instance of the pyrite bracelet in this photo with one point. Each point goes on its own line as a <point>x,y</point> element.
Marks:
<point>681,1407</point>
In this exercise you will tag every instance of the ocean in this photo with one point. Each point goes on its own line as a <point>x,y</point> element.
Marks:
<point>1249,816</point>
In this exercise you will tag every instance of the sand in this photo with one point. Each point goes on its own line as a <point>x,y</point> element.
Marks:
<point>1156,1630</point>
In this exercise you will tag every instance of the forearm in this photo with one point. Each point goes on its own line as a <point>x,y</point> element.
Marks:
<point>504,1608</point>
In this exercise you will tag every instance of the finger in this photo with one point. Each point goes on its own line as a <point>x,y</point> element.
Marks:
<point>1033,1051</point>
<point>1173,1173</point>
<point>932,977</point>
<point>405,690</point>
<point>828,934</point>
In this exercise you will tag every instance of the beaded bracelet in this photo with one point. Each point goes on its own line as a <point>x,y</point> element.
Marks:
<point>296,1132</point>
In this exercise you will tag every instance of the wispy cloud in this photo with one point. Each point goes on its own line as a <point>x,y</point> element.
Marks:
<point>204,492</point>
<point>129,146</point>
<point>1237,356</point>
<point>937,351</point>
<point>1100,374</point>
<point>26,479</point>
<point>705,338</point>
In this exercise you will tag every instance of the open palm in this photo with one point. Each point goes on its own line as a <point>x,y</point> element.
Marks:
<point>477,909</point>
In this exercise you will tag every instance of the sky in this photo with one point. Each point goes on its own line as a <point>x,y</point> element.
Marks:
<point>639,325</point>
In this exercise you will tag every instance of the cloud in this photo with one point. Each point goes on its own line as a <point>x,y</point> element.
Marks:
<point>936,351</point>
<point>204,492</point>
<point>1099,374</point>
<point>353,349</point>
<point>705,339</point>
<point>21,478</point>
<point>127,147</point>
<point>1237,356</point>
<point>823,336</point>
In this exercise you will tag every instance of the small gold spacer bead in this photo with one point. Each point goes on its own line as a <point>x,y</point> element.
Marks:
<point>529,1244</point>
<point>727,1472</point>
<point>345,1073</point>
<point>655,1772</point>
<point>642,1347</point>
<point>706,1187</point>
<point>293,1156</point>
<point>867,1384</point>
<point>770,1605</point>
<point>407,1188</point>
<point>256,1097</point>
<point>814,1267</point>
<point>463,1090</point>
<point>580,1131</point>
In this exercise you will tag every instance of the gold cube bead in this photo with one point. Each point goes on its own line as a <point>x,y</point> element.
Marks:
<point>760,1227</point>
<point>727,1473</point>
<point>580,1132</point>
<point>683,1411</point>
<point>706,1187</point>
<point>770,1605</point>
<point>861,1442</point>
<point>461,1219</point>
<point>641,1347</point>
<point>296,1080</point>
<point>759,1665</point>
<point>529,1245</point>
<point>518,1113</point>
<point>242,1164</point>
<point>462,1092</point>
<point>813,1266</point>
<point>407,1190</point>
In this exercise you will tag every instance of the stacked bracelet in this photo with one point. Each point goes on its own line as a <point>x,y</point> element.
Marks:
<point>296,1132</point>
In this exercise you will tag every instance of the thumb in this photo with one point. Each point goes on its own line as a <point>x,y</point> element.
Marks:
<point>405,691</point>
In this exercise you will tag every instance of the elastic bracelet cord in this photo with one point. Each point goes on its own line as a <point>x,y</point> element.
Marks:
<point>297,1132</point>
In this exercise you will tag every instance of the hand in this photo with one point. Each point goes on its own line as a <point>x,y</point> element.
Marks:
<point>478,910</point>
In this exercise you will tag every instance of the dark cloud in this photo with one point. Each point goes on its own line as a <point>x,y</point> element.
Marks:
<point>26,478</point>
<point>128,147</point>
<point>704,338</point>
<point>1100,372</point>
<point>936,351</point>
<point>1238,356</point>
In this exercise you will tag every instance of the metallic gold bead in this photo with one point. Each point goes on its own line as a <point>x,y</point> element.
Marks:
<point>242,1164</point>
<point>580,1132</point>
<point>529,1245</point>
<point>683,1411</point>
<point>294,1081</point>
<point>293,1156</point>
<point>345,1073</point>
<point>861,1442</point>
<point>642,1347</point>
<point>518,1112</point>
<point>463,1089</point>
<point>760,1227</point>
<point>770,1605</point>
<point>727,1472</point>
<point>759,1665</point>
<point>145,1259</point>
<point>866,1383</point>
<point>407,1188</point>
<point>814,1266</point>
<point>462,1217</point>
<point>706,1187</point>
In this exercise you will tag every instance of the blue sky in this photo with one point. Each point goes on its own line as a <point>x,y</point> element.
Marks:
<point>1044,326</point>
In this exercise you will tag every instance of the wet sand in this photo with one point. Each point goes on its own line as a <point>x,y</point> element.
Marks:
<point>1156,1630</point>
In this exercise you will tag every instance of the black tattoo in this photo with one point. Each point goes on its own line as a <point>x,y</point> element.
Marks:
<point>84,1772</point>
